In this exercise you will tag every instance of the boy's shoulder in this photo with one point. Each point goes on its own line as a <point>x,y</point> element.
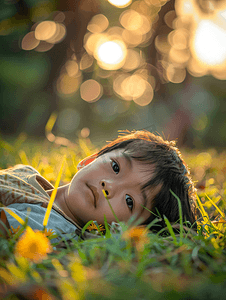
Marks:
<point>19,170</point>
<point>19,185</point>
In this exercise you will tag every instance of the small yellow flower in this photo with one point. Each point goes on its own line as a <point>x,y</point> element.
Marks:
<point>33,245</point>
<point>78,272</point>
<point>93,226</point>
<point>38,292</point>
<point>137,236</point>
<point>48,232</point>
<point>13,230</point>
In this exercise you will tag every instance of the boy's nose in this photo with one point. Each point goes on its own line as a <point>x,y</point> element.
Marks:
<point>107,187</point>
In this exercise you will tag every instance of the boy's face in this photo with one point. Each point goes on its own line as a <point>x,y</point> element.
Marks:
<point>121,178</point>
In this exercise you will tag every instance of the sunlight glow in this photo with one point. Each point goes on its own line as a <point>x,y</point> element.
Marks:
<point>185,8</point>
<point>210,43</point>
<point>120,3</point>
<point>111,54</point>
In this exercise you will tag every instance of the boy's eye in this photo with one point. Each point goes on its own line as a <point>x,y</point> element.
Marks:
<point>115,167</point>
<point>129,202</point>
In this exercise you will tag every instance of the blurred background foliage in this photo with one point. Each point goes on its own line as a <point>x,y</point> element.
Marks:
<point>93,67</point>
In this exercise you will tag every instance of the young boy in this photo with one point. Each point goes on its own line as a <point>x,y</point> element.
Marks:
<point>136,171</point>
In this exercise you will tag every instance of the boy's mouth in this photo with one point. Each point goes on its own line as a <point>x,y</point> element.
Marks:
<point>95,194</point>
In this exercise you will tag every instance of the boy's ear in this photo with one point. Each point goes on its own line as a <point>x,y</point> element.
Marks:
<point>86,161</point>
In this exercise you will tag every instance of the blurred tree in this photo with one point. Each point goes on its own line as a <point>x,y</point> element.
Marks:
<point>36,82</point>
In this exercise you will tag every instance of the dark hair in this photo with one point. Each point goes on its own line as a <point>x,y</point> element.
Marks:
<point>170,173</point>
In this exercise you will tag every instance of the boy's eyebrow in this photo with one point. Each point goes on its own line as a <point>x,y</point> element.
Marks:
<point>128,158</point>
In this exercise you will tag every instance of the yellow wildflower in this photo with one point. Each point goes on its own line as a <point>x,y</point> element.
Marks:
<point>33,245</point>
<point>13,230</point>
<point>78,272</point>
<point>68,290</point>
<point>79,276</point>
<point>48,232</point>
<point>38,292</point>
<point>137,236</point>
<point>93,226</point>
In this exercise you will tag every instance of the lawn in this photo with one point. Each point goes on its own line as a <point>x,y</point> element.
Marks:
<point>126,262</point>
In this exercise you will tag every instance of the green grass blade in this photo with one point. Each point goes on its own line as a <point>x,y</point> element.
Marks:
<point>110,206</point>
<point>108,233</point>
<point>180,215</point>
<point>170,228</point>
<point>218,209</point>
<point>86,226</point>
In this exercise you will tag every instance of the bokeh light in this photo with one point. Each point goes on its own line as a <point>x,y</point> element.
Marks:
<point>134,21</point>
<point>50,32</point>
<point>146,97</point>
<point>91,40</point>
<point>29,42</point>
<point>58,35</point>
<point>72,68</point>
<point>86,61</point>
<point>195,68</point>
<point>179,56</point>
<point>174,74</point>
<point>169,18</point>
<point>120,3</point>
<point>131,38</point>
<point>85,132</point>
<point>45,30</point>
<point>44,46</point>
<point>162,44</point>
<point>131,20</point>
<point>200,38</point>
<point>111,54</point>
<point>59,16</point>
<point>132,61</point>
<point>98,24</point>
<point>186,8</point>
<point>179,38</point>
<point>117,86</point>
<point>44,35</point>
<point>134,86</point>
<point>209,43</point>
<point>91,90</point>
<point>68,85</point>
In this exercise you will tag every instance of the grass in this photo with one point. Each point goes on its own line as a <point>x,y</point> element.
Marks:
<point>127,262</point>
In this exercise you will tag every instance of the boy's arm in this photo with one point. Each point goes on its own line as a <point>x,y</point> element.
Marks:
<point>4,220</point>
